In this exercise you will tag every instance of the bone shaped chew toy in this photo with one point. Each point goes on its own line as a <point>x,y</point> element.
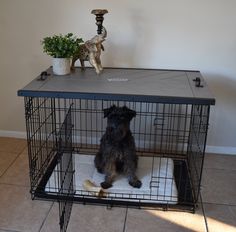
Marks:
<point>96,190</point>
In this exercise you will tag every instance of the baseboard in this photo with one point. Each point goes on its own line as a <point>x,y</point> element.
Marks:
<point>221,150</point>
<point>209,149</point>
<point>13,134</point>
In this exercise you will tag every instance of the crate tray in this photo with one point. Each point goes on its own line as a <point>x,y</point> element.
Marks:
<point>155,173</point>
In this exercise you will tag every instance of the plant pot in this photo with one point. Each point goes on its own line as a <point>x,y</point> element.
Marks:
<point>61,66</point>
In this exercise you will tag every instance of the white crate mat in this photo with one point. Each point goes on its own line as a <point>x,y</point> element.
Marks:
<point>155,173</point>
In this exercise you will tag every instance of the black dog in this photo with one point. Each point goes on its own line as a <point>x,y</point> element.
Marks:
<point>117,149</point>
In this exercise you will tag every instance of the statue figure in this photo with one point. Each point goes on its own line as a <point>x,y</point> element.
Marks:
<point>91,51</point>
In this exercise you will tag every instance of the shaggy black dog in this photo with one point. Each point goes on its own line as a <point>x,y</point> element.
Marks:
<point>117,149</point>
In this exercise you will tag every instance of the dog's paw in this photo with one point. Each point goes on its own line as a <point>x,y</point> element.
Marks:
<point>106,185</point>
<point>136,183</point>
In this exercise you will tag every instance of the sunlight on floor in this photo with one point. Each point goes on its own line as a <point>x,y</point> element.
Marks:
<point>218,226</point>
<point>193,222</point>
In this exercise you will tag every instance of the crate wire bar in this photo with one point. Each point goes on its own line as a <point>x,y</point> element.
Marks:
<point>170,133</point>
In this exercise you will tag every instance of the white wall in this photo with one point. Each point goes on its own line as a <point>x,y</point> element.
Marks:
<point>184,34</point>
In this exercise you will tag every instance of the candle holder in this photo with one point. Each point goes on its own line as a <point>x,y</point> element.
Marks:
<point>99,18</point>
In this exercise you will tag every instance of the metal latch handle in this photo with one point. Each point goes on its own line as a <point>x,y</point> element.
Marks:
<point>198,82</point>
<point>43,76</point>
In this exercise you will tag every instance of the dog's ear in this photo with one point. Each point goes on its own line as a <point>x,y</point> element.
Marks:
<point>129,113</point>
<point>108,111</point>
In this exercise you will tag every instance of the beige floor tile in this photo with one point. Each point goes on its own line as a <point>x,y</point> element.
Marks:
<point>25,152</point>
<point>97,218</point>
<point>220,161</point>
<point>155,220</point>
<point>52,222</point>
<point>88,218</point>
<point>12,145</point>
<point>18,172</point>
<point>233,211</point>
<point>6,159</point>
<point>219,186</point>
<point>18,212</point>
<point>220,218</point>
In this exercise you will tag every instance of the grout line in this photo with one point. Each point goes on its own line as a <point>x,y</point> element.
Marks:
<point>231,211</point>
<point>13,184</point>
<point>11,164</point>
<point>46,217</point>
<point>17,185</point>
<point>25,147</point>
<point>124,227</point>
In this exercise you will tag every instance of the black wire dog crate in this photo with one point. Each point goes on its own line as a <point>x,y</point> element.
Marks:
<point>65,122</point>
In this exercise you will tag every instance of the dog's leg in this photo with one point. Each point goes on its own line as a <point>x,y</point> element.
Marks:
<point>134,181</point>
<point>110,171</point>
<point>98,161</point>
<point>130,169</point>
<point>108,181</point>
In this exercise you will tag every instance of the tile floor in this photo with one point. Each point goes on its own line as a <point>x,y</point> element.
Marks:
<point>18,213</point>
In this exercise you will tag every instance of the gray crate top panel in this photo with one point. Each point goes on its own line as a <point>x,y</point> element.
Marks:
<point>173,86</point>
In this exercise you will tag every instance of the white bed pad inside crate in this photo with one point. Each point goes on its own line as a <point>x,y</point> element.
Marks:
<point>155,173</point>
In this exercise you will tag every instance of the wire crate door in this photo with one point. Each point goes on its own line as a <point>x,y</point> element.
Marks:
<point>66,171</point>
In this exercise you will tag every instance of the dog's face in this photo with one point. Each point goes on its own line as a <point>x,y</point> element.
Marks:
<point>118,121</point>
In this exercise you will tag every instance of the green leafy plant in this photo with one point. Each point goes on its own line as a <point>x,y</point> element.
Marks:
<point>61,46</point>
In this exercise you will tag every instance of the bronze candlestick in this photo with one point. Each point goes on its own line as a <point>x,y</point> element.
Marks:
<point>99,18</point>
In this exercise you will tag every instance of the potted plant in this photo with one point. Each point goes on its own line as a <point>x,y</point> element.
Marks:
<point>61,48</point>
